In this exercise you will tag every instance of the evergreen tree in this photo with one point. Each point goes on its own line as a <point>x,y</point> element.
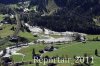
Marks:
<point>96,52</point>
<point>33,53</point>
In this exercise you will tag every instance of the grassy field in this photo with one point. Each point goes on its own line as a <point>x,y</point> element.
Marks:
<point>1,17</point>
<point>3,35</point>
<point>70,50</point>
<point>90,37</point>
<point>76,49</point>
<point>27,35</point>
<point>6,44</point>
<point>6,30</point>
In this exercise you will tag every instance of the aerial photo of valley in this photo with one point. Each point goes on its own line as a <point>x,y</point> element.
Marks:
<point>49,32</point>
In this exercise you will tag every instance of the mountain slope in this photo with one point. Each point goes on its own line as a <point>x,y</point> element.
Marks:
<point>70,15</point>
<point>67,15</point>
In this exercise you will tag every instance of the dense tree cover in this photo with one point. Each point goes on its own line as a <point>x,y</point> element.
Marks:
<point>62,21</point>
<point>8,1</point>
<point>74,15</point>
<point>4,9</point>
<point>11,1</point>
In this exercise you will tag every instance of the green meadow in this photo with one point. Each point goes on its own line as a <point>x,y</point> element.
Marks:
<point>70,50</point>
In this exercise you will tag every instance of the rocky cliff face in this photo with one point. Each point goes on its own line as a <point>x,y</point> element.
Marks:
<point>46,6</point>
